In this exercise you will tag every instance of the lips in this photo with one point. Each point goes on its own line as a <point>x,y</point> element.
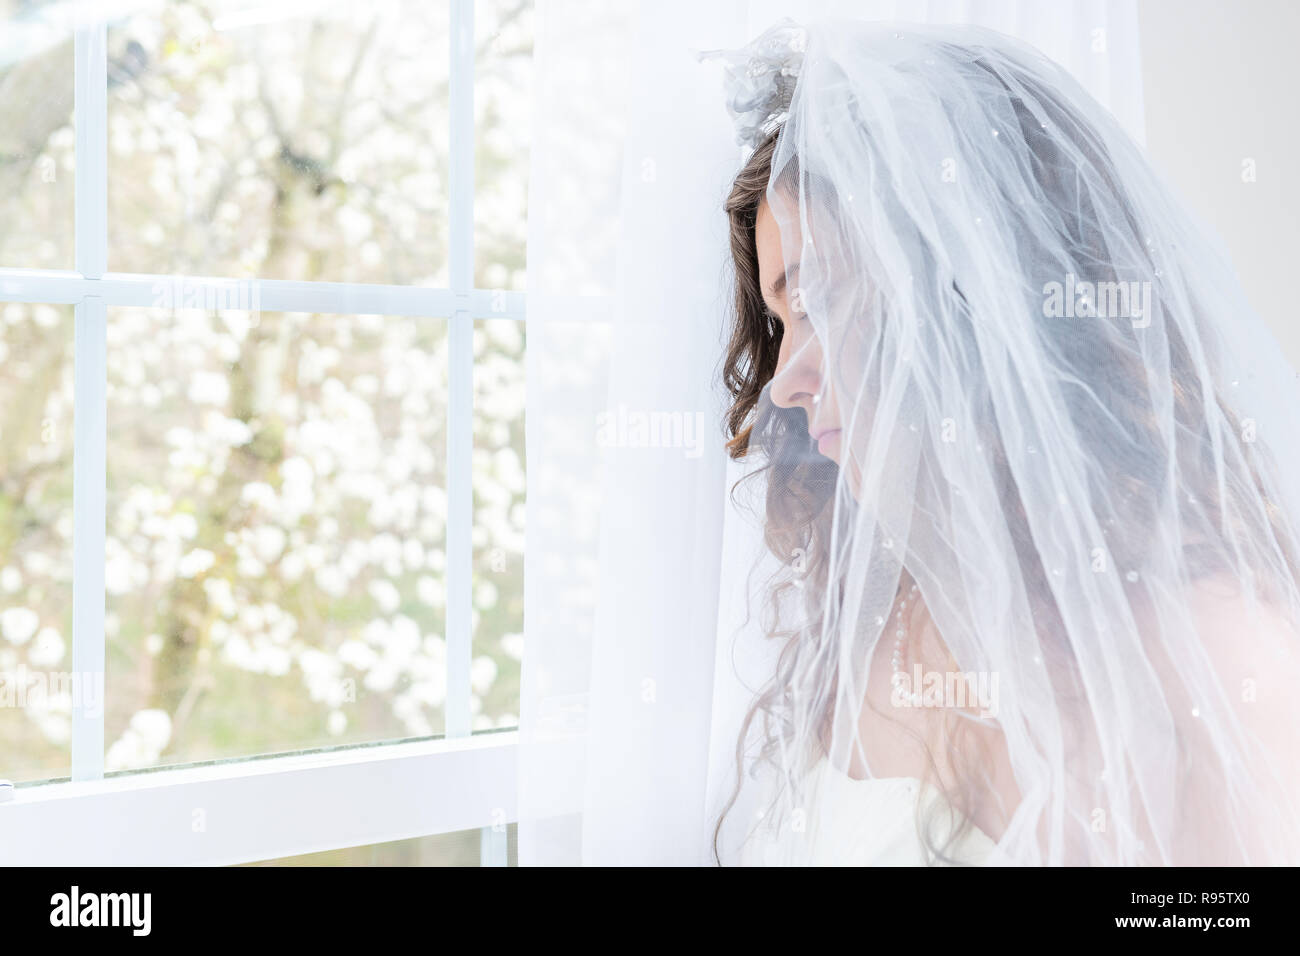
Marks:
<point>826,439</point>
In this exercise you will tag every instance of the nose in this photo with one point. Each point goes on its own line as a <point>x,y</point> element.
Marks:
<point>797,382</point>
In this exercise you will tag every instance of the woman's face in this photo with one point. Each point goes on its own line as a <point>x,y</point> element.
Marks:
<point>799,381</point>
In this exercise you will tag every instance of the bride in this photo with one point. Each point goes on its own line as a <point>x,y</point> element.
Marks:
<point>1028,466</point>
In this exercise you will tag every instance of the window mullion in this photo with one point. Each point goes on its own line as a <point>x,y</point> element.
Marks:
<point>90,108</point>
<point>90,401</point>
<point>494,845</point>
<point>460,356</point>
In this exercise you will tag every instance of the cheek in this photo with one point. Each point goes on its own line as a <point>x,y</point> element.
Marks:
<point>800,345</point>
<point>853,370</point>
<point>783,353</point>
<point>791,349</point>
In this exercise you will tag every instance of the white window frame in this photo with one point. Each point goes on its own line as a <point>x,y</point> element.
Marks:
<point>266,807</point>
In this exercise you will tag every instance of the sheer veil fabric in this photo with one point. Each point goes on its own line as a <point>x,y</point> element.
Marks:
<point>1062,446</point>
<point>1059,436</point>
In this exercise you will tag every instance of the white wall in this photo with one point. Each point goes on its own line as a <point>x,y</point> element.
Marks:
<point>1220,81</point>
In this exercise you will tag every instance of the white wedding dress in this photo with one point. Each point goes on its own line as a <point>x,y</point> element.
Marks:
<point>869,822</point>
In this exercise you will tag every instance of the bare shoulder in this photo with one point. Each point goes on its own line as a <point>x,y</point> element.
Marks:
<point>1253,648</point>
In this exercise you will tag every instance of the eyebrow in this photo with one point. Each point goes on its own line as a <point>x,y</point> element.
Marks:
<point>779,284</point>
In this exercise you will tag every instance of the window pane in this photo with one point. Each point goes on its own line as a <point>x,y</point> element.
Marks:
<point>281,141</point>
<point>276,532</point>
<point>443,849</point>
<point>502,104</point>
<point>36,353</point>
<point>36,135</point>
<point>498,521</point>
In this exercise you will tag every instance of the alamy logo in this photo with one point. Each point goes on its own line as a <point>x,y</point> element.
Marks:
<point>948,689</point>
<point>23,688</point>
<point>212,295</point>
<point>132,910</point>
<point>633,428</point>
<point>1101,300</point>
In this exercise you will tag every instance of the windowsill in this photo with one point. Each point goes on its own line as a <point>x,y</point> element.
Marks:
<point>242,811</point>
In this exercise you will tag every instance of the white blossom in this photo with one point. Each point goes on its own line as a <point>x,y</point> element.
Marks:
<point>19,624</point>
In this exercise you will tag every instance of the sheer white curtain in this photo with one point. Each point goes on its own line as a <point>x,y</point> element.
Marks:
<point>638,571</point>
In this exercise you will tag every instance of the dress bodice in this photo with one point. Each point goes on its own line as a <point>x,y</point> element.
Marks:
<point>872,822</point>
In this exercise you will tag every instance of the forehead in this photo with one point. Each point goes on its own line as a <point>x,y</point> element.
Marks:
<point>770,243</point>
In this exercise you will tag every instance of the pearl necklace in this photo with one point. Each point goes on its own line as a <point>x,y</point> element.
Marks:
<point>899,660</point>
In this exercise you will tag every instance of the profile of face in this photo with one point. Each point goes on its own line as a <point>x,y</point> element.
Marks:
<point>801,379</point>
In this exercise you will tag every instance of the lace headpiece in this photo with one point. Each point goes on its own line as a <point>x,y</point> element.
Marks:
<point>761,78</point>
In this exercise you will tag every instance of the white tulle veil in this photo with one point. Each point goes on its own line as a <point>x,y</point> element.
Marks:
<point>1065,438</point>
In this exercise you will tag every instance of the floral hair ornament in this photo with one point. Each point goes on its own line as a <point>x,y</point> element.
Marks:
<point>760,79</point>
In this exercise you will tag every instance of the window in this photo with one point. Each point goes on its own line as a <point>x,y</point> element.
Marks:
<point>261,440</point>
<point>444,849</point>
